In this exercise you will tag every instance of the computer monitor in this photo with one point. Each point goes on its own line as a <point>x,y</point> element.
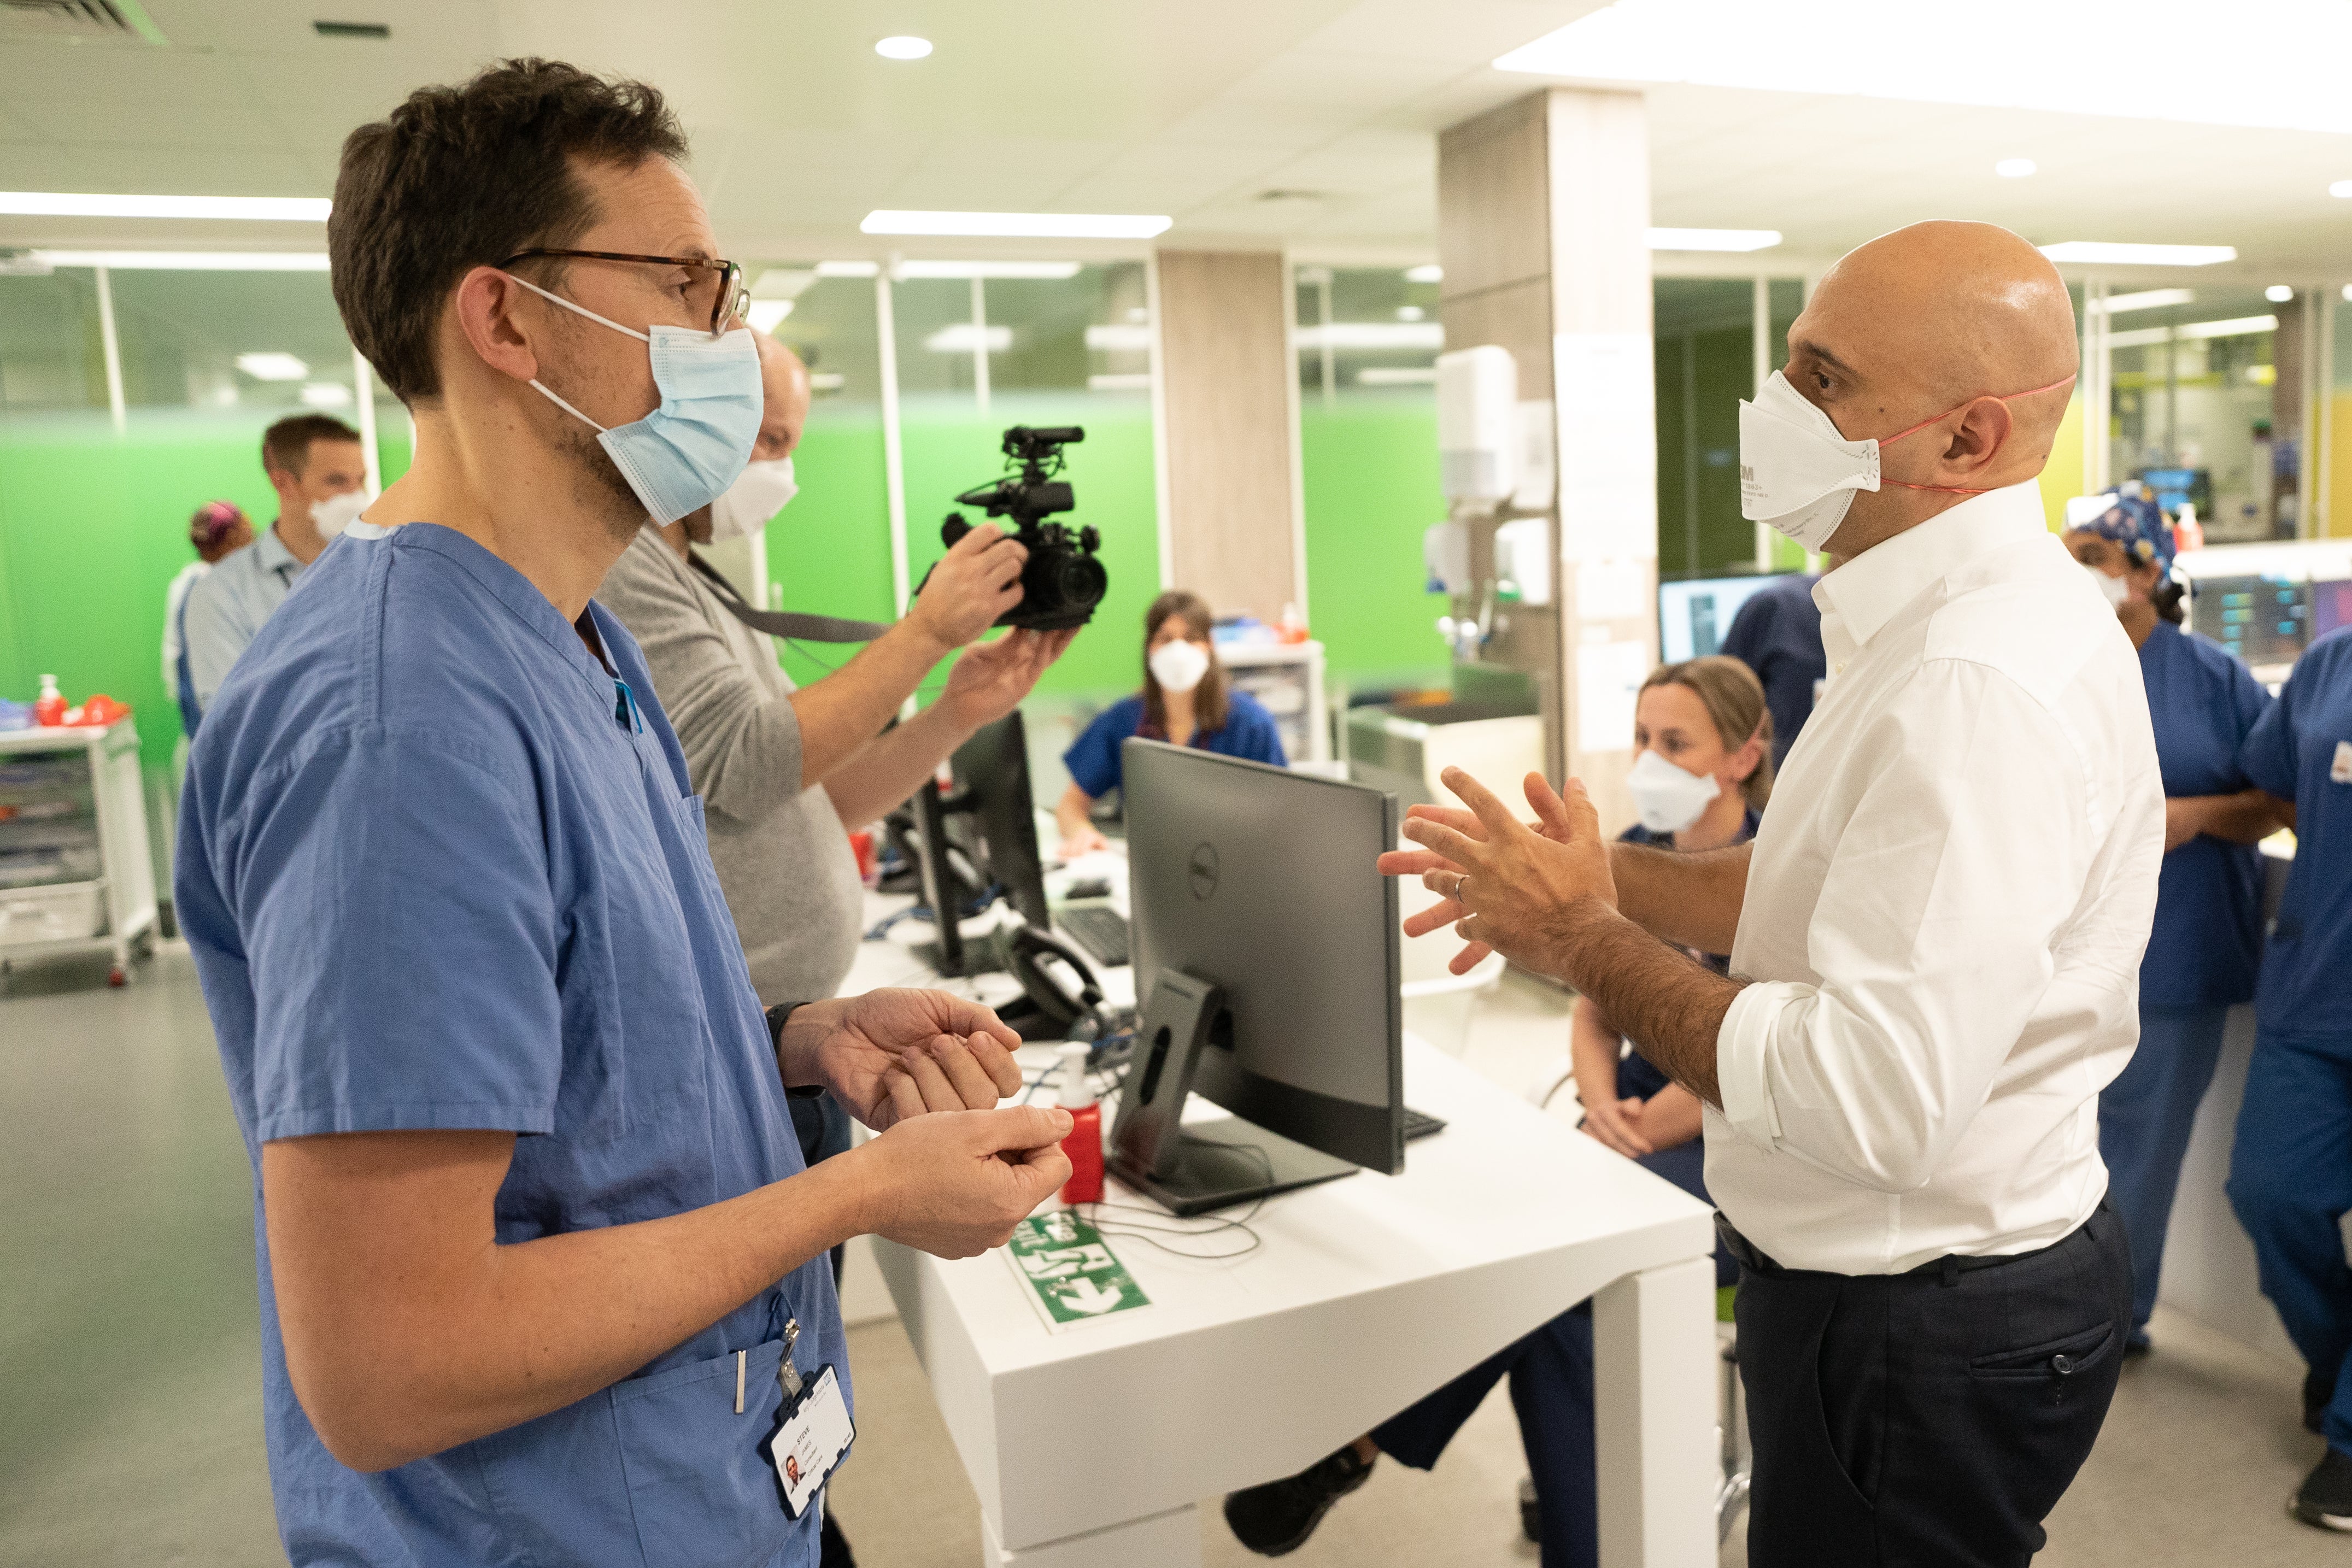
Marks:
<point>1267,966</point>
<point>982,833</point>
<point>2264,620</point>
<point>2175,487</point>
<point>1694,617</point>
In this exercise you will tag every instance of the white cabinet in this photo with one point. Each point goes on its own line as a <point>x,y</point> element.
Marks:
<point>1287,678</point>
<point>75,869</point>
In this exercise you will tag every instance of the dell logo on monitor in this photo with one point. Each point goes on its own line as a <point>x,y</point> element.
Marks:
<point>1204,869</point>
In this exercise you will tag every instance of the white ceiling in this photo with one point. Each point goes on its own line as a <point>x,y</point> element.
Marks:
<point>1193,109</point>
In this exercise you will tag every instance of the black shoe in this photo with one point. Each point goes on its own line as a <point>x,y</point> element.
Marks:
<point>2324,1499</point>
<point>1279,1516</point>
<point>1531,1511</point>
<point>2318,1391</point>
<point>834,1546</point>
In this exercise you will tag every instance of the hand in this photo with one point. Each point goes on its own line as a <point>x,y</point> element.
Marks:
<point>1617,1123</point>
<point>990,680</point>
<point>1086,840</point>
<point>2184,818</point>
<point>893,1054</point>
<point>977,581</point>
<point>956,1185</point>
<point>1506,885</point>
<point>1669,1119</point>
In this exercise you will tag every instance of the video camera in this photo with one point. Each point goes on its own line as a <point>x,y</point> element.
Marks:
<point>1061,581</point>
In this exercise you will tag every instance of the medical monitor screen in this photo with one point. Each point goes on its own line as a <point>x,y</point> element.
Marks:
<point>2264,620</point>
<point>1694,617</point>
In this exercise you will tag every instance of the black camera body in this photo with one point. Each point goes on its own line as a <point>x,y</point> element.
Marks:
<point>1063,581</point>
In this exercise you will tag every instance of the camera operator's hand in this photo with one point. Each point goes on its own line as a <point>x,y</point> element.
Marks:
<point>977,581</point>
<point>991,679</point>
<point>955,1183</point>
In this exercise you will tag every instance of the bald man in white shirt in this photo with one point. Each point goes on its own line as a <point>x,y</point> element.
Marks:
<point>1934,939</point>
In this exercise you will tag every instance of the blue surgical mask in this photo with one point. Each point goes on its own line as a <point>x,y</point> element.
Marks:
<point>681,456</point>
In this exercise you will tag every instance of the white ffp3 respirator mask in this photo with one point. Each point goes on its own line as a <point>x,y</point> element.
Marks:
<point>336,513</point>
<point>1667,799</point>
<point>1179,666</point>
<point>2114,590</point>
<point>759,493</point>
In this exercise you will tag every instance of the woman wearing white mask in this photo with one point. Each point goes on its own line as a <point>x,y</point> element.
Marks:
<point>2206,944</point>
<point>1185,701</point>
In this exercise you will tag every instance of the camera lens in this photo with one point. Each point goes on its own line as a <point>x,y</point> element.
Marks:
<point>1079,581</point>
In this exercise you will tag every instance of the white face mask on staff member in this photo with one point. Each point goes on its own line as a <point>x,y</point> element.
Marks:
<point>765,487</point>
<point>1667,799</point>
<point>1179,666</point>
<point>336,513</point>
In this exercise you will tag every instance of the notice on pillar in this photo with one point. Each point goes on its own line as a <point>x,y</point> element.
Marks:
<point>1071,1274</point>
<point>1604,387</point>
<point>1608,683</point>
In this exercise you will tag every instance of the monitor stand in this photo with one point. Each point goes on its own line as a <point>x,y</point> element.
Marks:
<point>1211,1164</point>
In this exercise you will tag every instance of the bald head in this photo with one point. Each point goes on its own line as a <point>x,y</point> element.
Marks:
<point>785,382</point>
<point>1947,322</point>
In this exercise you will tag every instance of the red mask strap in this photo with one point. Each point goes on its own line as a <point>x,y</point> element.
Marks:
<point>1959,489</point>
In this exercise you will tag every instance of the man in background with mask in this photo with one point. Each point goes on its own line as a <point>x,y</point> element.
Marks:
<point>1935,936</point>
<point>315,464</point>
<point>542,1274</point>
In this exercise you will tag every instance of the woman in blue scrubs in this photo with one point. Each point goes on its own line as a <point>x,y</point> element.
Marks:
<point>2203,952</point>
<point>1186,700</point>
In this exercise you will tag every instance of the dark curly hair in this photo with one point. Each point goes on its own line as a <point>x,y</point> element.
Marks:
<point>460,177</point>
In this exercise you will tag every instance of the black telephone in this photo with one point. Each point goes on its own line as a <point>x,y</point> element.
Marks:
<point>1059,989</point>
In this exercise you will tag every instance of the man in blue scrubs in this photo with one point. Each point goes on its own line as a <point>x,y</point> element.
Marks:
<point>539,1259</point>
<point>1778,634</point>
<point>2290,1170</point>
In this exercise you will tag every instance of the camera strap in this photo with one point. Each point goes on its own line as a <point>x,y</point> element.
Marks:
<point>784,622</point>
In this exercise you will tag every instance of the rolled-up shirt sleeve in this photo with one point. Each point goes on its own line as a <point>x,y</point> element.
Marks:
<point>1933,938</point>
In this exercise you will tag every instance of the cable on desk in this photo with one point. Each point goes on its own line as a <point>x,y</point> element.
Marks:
<point>1208,1224</point>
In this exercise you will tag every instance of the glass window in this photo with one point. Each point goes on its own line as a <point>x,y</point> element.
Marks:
<point>1706,346</point>
<point>51,354</point>
<point>1366,329</point>
<point>2201,410</point>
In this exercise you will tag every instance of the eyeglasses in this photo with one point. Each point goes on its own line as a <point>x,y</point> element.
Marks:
<point>718,284</point>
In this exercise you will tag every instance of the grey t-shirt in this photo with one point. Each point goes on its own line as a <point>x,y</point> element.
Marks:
<point>782,855</point>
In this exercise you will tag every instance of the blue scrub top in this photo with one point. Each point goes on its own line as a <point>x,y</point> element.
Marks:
<point>2301,750</point>
<point>2206,944</point>
<point>437,870</point>
<point>1778,634</point>
<point>1248,732</point>
<point>1636,1079</point>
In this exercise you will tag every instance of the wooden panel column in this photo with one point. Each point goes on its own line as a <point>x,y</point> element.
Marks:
<point>1228,393</point>
<point>1543,220</point>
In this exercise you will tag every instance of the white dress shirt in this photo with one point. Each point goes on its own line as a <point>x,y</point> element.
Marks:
<point>1945,911</point>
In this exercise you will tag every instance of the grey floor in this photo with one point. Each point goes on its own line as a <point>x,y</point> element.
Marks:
<point>129,1424</point>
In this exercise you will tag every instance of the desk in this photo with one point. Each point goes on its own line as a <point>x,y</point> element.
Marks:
<point>1090,1448</point>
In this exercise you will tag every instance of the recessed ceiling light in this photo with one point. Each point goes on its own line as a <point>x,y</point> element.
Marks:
<point>903,47</point>
<point>189,260</point>
<point>966,337</point>
<point>1119,337</point>
<point>767,315</point>
<point>2278,293</point>
<point>2348,294</point>
<point>2094,252</point>
<point>1054,270</point>
<point>1370,335</point>
<point>94,204</point>
<point>1409,312</point>
<point>325,394</point>
<point>1429,272</point>
<point>2016,168</point>
<point>847,269</point>
<point>1018,225</point>
<point>2147,299</point>
<point>272,365</point>
<point>1714,239</point>
<point>2341,188</point>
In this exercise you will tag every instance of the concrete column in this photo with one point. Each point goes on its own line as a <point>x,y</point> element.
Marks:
<point>1543,219</point>
<point>1230,399</point>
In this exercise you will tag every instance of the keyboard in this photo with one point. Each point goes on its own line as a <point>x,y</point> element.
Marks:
<point>1420,1123</point>
<point>1099,929</point>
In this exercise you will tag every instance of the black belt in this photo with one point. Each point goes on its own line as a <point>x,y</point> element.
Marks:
<point>1948,1269</point>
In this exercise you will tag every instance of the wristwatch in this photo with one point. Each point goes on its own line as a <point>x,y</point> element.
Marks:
<point>777,1015</point>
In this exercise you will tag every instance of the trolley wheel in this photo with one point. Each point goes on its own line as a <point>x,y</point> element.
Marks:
<point>116,976</point>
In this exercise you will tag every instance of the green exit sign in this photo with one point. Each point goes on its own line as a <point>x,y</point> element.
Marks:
<point>1070,1270</point>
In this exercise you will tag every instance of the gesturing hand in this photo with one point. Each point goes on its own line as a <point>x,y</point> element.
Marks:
<point>1505,884</point>
<point>892,1054</point>
<point>990,680</point>
<point>954,1185</point>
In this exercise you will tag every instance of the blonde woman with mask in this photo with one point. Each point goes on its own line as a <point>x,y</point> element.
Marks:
<point>1185,701</point>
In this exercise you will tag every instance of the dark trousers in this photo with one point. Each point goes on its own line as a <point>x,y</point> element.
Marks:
<point>2145,1118</point>
<point>1929,1419</point>
<point>2291,1184</point>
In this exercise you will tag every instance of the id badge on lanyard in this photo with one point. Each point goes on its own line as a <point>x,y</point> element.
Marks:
<point>812,1431</point>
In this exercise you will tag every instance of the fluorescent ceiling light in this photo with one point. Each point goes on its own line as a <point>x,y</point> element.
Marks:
<point>1867,48</point>
<point>68,205</point>
<point>2016,168</point>
<point>2341,188</point>
<point>1123,339</point>
<point>783,282</point>
<point>1429,272</point>
<point>190,260</point>
<point>272,365</point>
<point>1714,239</point>
<point>2278,293</point>
<point>326,394</point>
<point>2096,252</point>
<point>2237,327</point>
<point>768,315</point>
<point>1018,225</point>
<point>1410,313</point>
<point>1136,380</point>
<point>1048,269</point>
<point>826,381</point>
<point>963,337</point>
<point>847,269</point>
<point>904,47</point>
<point>1397,376</point>
<point>1373,335</point>
<point>2147,299</point>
